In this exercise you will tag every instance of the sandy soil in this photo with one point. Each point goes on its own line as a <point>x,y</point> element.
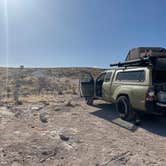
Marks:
<point>63,131</point>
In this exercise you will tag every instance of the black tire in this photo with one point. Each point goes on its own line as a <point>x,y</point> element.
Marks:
<point>89,101</point>
<point>124,108</point>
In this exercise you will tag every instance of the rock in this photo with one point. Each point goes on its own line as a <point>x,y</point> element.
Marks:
<point>64,136</point>
<point>6,112</point>
<point>37,108</point>
<point>44,117</point>
<point>68,133</point>
<point>69,104</point>
<point>45,102</point>
<point>57,109</point>
<point>18,102</point>
<point>47,152</point>
<point>17,114</point>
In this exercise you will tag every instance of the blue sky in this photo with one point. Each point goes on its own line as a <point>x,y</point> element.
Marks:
<point>54,33</point>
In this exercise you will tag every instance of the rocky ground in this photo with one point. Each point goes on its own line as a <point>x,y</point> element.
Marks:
<point>44,122</point>
<point>61,130</point>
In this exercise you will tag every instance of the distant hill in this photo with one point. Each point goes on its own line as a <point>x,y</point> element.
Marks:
<point>58,72</point>
<point>30,80</point>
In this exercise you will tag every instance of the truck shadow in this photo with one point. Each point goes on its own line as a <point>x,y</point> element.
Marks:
<point>154,124</point>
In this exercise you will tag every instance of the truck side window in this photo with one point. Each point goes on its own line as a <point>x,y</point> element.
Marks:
<point>86,78</point>
<point>131,76</point>
<point>142,76</point>
<point>108,77</point>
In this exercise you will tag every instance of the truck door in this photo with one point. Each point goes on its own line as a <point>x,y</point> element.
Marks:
<point>86,85</point>
<point>107,86</point>
<point>99,84</point>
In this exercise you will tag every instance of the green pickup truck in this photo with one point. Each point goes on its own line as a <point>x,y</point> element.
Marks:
<point>134,85</point>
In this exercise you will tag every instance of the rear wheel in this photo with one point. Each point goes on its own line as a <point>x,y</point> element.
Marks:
<point>124,109</point>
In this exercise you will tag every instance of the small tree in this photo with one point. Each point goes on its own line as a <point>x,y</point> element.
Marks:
<point>21,67</point>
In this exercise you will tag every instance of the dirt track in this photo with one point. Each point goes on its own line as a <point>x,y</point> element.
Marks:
<point>59,132</point>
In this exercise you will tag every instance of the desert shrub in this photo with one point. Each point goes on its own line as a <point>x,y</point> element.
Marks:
<point>74,90</point>
<point>16,91</point>
<point>60,92</point>
<point>8,90</point>
<point>16,96</point>
<point>42,84</point>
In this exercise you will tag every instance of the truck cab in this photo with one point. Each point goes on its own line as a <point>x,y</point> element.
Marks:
<point>119,86</point>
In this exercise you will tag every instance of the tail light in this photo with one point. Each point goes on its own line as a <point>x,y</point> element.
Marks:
<point>150,96</point>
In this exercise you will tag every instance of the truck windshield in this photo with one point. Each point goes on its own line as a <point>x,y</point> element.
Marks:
<point>159,76</point>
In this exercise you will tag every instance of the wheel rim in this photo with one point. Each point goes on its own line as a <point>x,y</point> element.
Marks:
<point>122,108</point>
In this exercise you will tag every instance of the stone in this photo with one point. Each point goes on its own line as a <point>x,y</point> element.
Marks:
<point>44,117</point>
<point>6,112</point>
<point>37,108</point>
<point>64,136</point>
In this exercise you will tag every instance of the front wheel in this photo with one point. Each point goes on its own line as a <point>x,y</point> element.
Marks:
<point>124,109</point>
<point>89,101</point>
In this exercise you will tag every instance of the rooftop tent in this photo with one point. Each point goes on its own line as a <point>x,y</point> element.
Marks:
<point>141,52</point>
<point>160,64</point>
<point>145,56</point>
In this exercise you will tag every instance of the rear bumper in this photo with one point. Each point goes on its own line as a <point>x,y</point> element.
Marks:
<point>163,105</point>
<point>161,108</point>
<point>156,107</point>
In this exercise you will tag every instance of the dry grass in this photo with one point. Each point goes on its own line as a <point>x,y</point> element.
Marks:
<point>30,85</point>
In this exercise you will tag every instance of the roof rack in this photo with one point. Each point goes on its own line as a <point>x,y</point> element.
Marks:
<point>144,61</point>
<point>138,62</point>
